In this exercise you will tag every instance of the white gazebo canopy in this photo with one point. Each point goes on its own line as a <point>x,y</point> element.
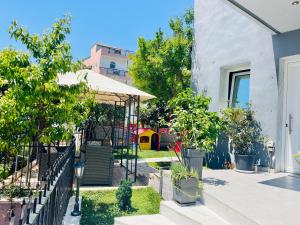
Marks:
<point>106,89</point>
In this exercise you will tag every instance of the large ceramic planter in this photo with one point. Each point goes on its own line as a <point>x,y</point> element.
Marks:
<point>193,159</point>
<point>244,162</point>
<point>185,191</point>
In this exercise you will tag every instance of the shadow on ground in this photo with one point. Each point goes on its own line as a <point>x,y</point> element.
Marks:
<point>214,181</point>
<point>287,182</point>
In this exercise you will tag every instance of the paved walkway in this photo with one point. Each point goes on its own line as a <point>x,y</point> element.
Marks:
<point>143,172</point>
<point>263,198</point>
<point>167,186</point>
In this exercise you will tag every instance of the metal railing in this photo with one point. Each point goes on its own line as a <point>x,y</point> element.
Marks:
<point>47,204</point>
<point>110,71</point>
<point>119,52</point>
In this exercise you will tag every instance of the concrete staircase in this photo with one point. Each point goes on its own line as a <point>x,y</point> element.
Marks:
<point>144,220</point>
<point>173,214</point>
<point>225,211</point>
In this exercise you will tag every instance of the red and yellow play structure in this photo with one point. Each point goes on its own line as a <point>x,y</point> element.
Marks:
<point>148,139</point>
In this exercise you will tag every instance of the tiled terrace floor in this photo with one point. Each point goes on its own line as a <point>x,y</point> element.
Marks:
<point>263,198</point>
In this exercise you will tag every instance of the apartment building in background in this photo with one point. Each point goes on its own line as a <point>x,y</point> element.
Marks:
<point>110,61</point>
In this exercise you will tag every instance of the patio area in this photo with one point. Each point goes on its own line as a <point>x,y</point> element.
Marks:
<point>259,198</point>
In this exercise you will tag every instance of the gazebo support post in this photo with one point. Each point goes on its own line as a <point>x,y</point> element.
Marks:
<point>137,136</point>
<point>128,134</point>
<point>124,119</point>
<point>113,140</point>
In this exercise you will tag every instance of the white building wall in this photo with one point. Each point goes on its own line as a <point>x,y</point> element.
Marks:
<point>226,39</point>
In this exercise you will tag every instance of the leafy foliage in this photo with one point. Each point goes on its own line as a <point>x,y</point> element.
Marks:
<point>105,113</point>
<point>102,115</point>
<point>153,113</point>
<point>297,157</point>
<point>242,129</point>
<point>32,103</point>
<point>192,121</point>
<point>124,195</point>
<point>162,67</point>
<point>180,172</point>
<point>14,191</point>
<point>4,171</point>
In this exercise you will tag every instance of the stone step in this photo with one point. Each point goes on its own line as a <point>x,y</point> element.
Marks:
<point>144,220</point>
<point>190,215</point>
<point>225,211</point>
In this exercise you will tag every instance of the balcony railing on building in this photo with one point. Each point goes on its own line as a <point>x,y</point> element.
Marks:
<point>120,52</point>
<point>110,71</point>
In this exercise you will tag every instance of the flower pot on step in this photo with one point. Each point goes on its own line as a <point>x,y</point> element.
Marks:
<point>185,191</point>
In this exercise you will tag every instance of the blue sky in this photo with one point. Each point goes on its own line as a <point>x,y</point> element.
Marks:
<point>113,22</point>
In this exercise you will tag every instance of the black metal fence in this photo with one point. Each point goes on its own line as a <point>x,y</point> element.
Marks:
<point>125,135</point>
<point>47,202</point>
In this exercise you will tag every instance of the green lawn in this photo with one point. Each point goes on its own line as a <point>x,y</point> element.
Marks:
<point>160,165</point>
<point>155,154</point>
<point>150,154</point>
<point>99,207</point>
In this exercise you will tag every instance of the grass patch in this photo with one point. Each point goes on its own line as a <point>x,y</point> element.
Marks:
<point>159,165</point>
<point>144,154</point>
<point>100,208</point>
<point>155,154</point>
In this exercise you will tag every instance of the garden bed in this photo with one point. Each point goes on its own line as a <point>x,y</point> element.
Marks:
<point>100,208</point>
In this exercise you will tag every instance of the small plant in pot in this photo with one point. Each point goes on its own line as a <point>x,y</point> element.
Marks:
<point>195,126</point>
<point>297,157</point>
<point>243,132</point>
<point>185,184</point>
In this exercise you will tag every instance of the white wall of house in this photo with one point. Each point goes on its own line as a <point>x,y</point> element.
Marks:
<point>227,40</point>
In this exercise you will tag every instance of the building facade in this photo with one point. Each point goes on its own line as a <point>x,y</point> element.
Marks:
<point>110,61</point>
<point>248,52</point>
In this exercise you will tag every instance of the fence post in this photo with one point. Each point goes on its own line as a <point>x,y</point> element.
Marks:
<point>161,182</point>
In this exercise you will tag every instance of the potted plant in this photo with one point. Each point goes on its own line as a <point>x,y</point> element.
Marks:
<point>185,184</point>
<point>297,157</point>
<point>243,132</point>
<point>195,126</point>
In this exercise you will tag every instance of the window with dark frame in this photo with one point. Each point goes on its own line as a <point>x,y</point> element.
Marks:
<point>144,139</point>
<point>112,65</point>
<point>239,89</point>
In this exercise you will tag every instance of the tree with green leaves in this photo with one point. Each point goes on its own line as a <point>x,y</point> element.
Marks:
<point>192,122</point>
<point>155,114</point>
<point>33,106</point>
<point>162,66</point>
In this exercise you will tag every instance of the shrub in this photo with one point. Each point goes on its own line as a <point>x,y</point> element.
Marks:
<point>297,157</point>
<point>180,172</point>
<point>14,191</point>
<point>124,195</point>
<point>242,129</point>
<point>4,172</point>
<point>192,121</point>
